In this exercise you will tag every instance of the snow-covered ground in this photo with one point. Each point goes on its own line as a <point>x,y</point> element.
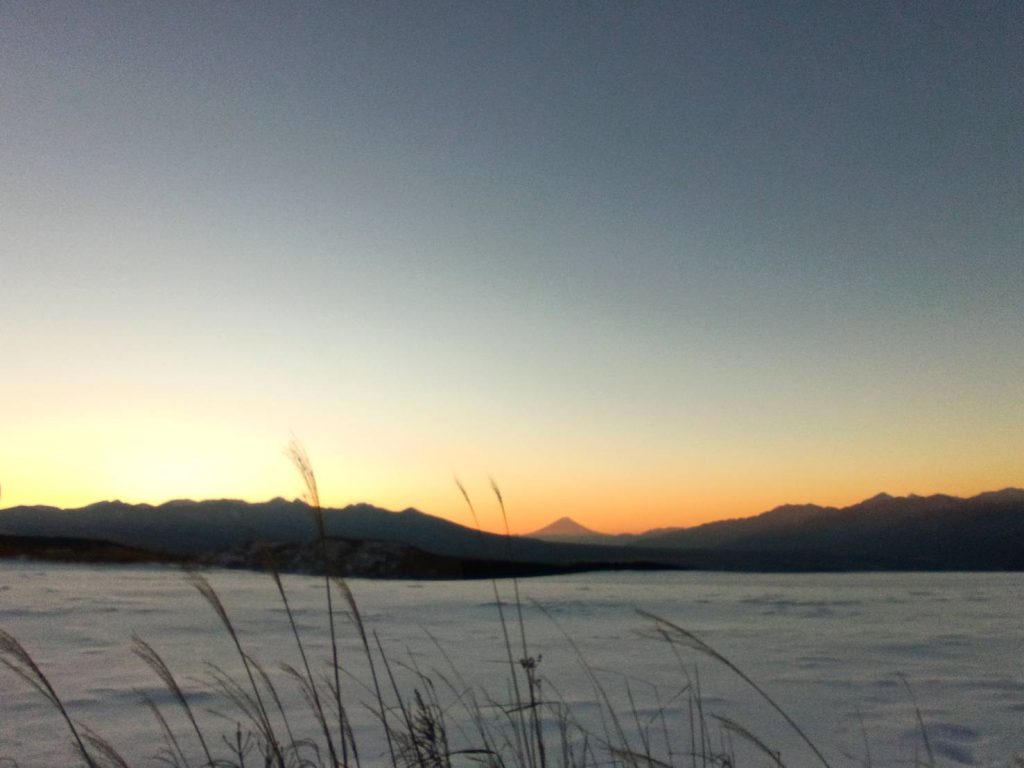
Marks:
<point>830,649</point>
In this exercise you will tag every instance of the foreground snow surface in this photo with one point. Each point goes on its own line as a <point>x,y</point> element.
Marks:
<point>831,649</point>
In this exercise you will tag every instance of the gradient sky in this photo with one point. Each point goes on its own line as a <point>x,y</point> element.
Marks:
<point>646,264</point>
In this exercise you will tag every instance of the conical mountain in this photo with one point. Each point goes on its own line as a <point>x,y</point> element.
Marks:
<point>563,528</point>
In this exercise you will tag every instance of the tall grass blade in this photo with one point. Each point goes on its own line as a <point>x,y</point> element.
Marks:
<point>173,746</point>
<point>309,682</point>
<point>674,633</point>
<point>357,617</point>
<point>14,656</point>
<point>521,732</point>
<point>528,663</point>
<point>920,719</point>
<point>302,463</point>
<point>733,727</point>
<point>209,594</point>
<point>108,756</point>
<point>154,661</point>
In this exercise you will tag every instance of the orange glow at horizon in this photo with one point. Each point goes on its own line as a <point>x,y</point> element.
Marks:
<point>752,282</point>
<point>141,459</point>
<point>143,450</point>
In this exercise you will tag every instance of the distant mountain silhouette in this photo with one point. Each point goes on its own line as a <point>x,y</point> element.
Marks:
<point>885,532</point>
<point>939,532</point>
<point>208,528</point>
<point>565,529</point>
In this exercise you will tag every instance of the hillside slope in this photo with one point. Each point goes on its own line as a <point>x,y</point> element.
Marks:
<point>191,528</point>
<point>985,531</point>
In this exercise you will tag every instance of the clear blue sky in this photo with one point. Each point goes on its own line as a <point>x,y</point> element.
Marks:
<point>647,263</point>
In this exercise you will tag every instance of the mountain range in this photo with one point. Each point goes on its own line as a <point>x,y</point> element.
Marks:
<point>241,534</point>
<point>885,532</point>
<point>985,532</point>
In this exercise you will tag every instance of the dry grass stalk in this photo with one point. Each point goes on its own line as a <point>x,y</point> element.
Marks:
<point>154,661</point>
<point>302,463</point>
<point>19,661</point>
<point>505,734</point>
<point>676,634</point>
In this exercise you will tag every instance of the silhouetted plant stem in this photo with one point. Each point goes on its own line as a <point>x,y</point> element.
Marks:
<point>14,656</point>
<point>310,680</point>
<point>211,597</point>
<point>154,661</point>
<point>173,746</point>
<point>302,463</point>
<point>528,663</point>
<point>920,719</point>
<point>521,732</point>
<point>358,618</point>
<point>406,718</point>
<point>675,633</point>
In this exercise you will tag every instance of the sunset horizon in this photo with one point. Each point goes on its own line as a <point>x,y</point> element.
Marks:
<point>488,514</point>
<point>645,266</point>
<point>716,307</point>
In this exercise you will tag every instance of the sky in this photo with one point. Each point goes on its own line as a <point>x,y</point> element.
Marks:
<point>644,264</point>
